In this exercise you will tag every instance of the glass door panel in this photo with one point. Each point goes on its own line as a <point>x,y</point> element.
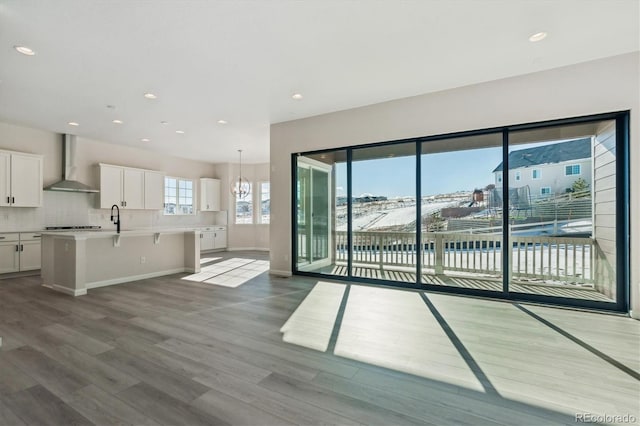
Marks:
<point>562,204</point>
<point>384,212</point>
<point>462,212</point>
<point>321,210</point>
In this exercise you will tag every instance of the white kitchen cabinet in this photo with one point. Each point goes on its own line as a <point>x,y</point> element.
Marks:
<point>9,253</point>
<point>207,240</point>
<point>209,195</point>
<point>220,238</point>
<point>30,255</point>
<point>153,190</point>
<point>20,179</point>
<point>213,238</point>
<point>124,187</point>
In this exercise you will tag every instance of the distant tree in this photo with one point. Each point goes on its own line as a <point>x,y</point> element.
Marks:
<point>580,188</point>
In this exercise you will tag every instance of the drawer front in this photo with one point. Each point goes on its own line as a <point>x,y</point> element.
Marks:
<point>30,236</point>
<point>9,237</point>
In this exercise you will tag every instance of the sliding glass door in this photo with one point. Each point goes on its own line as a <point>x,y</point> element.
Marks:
<point>524,212</point>
<point>462,212</point>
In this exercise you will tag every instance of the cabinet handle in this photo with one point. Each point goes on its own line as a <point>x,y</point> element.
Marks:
<point>13,200</point>
<point>17,248</point>
<point>2,238</point>
<point>8,200</point>
<point>21,247</point>
<point>37,236</point>
<point>125,204</point>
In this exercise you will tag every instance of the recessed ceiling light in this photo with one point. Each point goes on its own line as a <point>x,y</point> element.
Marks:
<point>145,140</point>
<point>24,50</point>
<point>297,96</point>
<point>150,96</point>
<point>222,121</point>
<point>538,36</point>
<point>180,132</point>
<point>164,122</point>
<point>117,121</point>
<point>73,123</point>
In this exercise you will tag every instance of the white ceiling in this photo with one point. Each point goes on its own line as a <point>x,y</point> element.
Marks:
<point>242,60</point>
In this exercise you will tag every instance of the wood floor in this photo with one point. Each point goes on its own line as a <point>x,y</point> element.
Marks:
<point>176,351</point>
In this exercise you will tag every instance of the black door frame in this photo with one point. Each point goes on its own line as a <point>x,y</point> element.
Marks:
<point>622,211</point>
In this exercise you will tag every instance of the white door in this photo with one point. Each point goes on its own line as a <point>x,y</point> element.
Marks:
<point>153,190</point>
<point>30,255</point>
<point>110,186</point>
<point>26,181</point>
<point>5,179</point>
<point>9,257</point>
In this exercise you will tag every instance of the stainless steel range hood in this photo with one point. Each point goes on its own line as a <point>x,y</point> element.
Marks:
<point>69,182</point>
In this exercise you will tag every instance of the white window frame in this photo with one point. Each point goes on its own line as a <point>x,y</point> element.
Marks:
<point>533,174</point>
<point>572,166</point>
<point>178,209</point>
<point>542,188</point>
<point>248,219</point>
<point>261,216</point>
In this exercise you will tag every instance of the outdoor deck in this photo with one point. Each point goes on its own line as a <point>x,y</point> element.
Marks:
<point>474,283</point>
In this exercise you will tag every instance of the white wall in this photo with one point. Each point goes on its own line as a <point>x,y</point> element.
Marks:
<point>605,85</point>
<point>61,208</point>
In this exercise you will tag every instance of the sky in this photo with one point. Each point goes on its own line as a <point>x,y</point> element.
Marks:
<point>441,173</point>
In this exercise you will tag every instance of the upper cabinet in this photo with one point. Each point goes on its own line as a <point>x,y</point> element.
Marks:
<point>130,188</point>
<point>20,179</point>
<point>153,190</point>
<point>209,195</point>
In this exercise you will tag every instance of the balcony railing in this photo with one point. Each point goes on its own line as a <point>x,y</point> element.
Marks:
<point>549,259</point>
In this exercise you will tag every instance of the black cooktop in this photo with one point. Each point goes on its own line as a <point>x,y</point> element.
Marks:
<point>72,227</point>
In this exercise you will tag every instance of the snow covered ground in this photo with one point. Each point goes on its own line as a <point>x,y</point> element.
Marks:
<point>380,218</point>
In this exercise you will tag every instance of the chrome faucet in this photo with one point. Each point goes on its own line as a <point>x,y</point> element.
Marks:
<point>116,218</point>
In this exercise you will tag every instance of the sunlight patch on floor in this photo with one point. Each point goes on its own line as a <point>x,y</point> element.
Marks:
<point>395,329</point>
<point>312,323</point>
<point>230,273</point>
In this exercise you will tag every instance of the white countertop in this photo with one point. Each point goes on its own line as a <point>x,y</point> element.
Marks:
<point>107,233</point>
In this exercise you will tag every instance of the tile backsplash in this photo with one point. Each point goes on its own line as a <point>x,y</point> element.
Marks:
<point>73,208</point>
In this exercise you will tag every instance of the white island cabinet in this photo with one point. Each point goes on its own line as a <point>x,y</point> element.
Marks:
<point>20,179</point>
<point>19,252</point>
<point>74,262</point>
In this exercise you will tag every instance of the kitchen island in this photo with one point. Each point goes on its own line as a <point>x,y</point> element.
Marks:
<point>74,262</point>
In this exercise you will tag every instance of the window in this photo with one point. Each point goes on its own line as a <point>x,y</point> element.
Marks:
<point>244,208</point>
<point>518,175</point>
<point>178,196</point>
<point>499,177</point>
<point>265,202</point>
<point>572,170</point>
<point>535,174</point>
<point>545,190</point>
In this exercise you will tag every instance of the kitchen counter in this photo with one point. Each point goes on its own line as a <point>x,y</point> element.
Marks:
<point>76,261</point>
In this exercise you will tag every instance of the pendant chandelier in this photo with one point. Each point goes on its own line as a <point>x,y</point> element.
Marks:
<point>240,187</point>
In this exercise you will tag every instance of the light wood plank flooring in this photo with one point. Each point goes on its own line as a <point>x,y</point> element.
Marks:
<point>209,350</point>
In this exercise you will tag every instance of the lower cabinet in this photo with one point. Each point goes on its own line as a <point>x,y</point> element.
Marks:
<point>20,252</point>
<point>9,257</point>
<point>213,239</point>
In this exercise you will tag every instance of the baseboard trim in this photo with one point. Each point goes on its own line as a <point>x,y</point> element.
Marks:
<point>635,314</point>
<point>280,273</point>
<point>97,284</point>
<point>247,249</point>
<point>66,290</point>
